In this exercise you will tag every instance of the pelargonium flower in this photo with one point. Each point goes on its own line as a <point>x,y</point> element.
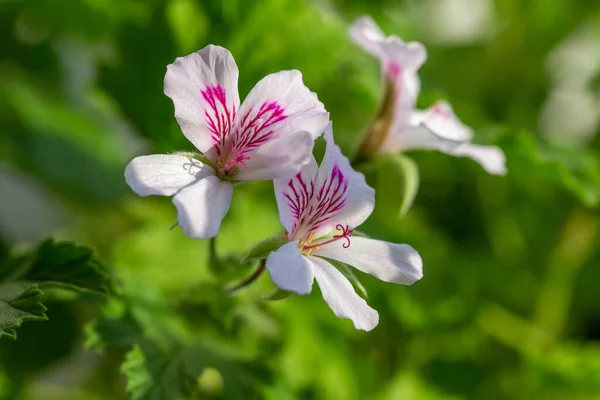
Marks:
<point>270,136</point>
<point>398,125</point>
<point>320,207</point>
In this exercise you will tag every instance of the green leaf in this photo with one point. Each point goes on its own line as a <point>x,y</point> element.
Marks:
<point>115,327</point>
<point>264,248</point>
<point>397,184</point>
<point>66,265</point>
<point>52,264</point>
<point>16,310</point>
<point>156,374</point>
<point>139,378</point>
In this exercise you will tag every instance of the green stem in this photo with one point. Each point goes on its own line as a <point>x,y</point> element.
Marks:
<point>254,276</point>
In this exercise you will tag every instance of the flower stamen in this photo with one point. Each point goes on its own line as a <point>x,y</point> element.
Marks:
<point>239,158</point>
<point>346,234</point>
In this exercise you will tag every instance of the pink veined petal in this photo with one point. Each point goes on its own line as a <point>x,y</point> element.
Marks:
<point>397,58</point>
<point>290,270</point>
<point>318,200</point>
<point>281,158</point>
<point>202,206</point>
<point>405,56</point>
<point>342,196</point>
<point>203,87</point>
<point>400,62</point>
<point>491,158</point>
<point>164,175</point>
<point>279,105</point>
<point>441,120</point>
<point>390,262</point>
<point>437,128</point>
<point>295,195</point>
<point>339,294</point>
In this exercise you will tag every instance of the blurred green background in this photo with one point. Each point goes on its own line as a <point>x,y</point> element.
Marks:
<point>509,307</point>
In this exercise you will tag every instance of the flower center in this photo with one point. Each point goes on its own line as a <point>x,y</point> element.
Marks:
<point>239,157</point>
<point>309,246</point>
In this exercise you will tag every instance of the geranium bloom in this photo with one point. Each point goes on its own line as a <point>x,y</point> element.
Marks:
<point>398,126</point>
<point>271,135</point>
<point>319,208</point>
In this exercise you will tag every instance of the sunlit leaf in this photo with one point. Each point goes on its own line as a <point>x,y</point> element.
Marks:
<point>264,248</point>
<point>397,184</point>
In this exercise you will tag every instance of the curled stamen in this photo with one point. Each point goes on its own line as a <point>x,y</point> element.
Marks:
<point>346,234</point>
<point>239,158</point>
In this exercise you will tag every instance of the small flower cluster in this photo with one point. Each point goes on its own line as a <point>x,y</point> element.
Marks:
<point>270,136</point>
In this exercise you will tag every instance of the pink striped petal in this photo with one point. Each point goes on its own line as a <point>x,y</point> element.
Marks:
<point>278,106</point>
<point>203,87</point>
<point>317,202</point>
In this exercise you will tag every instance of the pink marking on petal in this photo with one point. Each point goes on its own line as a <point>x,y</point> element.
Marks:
<point>239,158</point>
<point>394,70</point>
<point>440,110</point>
<point>219,117</point>
<point>312,208</point>
<point>254,130</point>
<point>437,110</point>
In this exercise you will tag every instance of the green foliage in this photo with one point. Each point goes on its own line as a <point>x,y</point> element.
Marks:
<point>508,306</point>
<point>51,265</point>
<point>16,310</point>
<point>153,374</point>
<point>397,183</point>
<point>575,169</point>
<point>264,248</point>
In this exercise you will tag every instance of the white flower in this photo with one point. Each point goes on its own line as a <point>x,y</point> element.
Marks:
<point>271,135</point>
<point>319,208</point>
<point>399,126</point>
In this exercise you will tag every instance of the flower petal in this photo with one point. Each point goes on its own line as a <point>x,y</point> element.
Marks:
<point>341,297</point>
<point>290,270</point>
<point>163,174</point>
<point>441,121</point>
<point>342,193</point>
<point>203,87</point>
<point>401,85</point>
<point>295,195</point>
<point>390,262</point>
<point>281,158</point>
<point>491,158</point>
<point>202,206</point>
<point>437,128</point>
<point>279,105</point>
<point>365,33</point>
